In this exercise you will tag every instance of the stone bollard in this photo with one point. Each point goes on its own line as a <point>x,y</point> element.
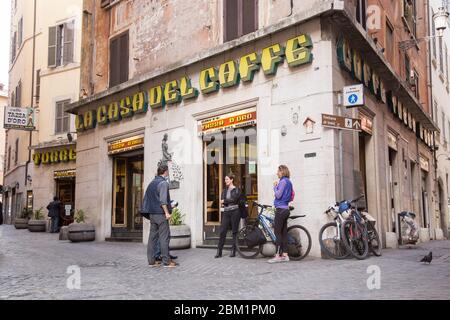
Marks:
<point>64,233</point>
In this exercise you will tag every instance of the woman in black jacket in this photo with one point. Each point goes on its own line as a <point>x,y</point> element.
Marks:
<point>230,215</point>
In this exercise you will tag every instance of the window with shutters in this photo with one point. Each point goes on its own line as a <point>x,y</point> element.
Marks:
<point>433,34</point>
<point>16,153</point>
<point>20,33</point>
<point>240,18</point>
<point>118,59</point>
<point>8,163</point>
<point>38,87</point>
<point>61,118</point>
<point>441,56</point>
<point>13,99</point>
<point>361,12</point>
<point>61,44</point>
<point>13,47</point>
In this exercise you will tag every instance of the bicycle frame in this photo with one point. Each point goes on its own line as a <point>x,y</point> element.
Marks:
<point>266,222</point>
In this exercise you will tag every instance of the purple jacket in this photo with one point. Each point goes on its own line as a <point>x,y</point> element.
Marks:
<point>283,193</point>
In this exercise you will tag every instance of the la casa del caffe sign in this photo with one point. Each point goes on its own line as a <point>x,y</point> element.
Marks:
<point>297,51</point>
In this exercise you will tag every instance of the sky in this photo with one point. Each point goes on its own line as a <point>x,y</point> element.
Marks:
<point>5,17</point>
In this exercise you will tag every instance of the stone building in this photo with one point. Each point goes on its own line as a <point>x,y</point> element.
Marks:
<point>220,87</point>
<point>44,75</point>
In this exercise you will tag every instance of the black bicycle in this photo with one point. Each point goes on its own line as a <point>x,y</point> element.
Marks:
<point>354,233</point>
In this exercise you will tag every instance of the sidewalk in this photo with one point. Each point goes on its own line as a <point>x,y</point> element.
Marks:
<point>35,265</point>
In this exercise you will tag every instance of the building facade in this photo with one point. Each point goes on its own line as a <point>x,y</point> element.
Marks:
<point>440,92</point>
<point>242,88</point>
<point>3,103</point>
<point>44,75</point>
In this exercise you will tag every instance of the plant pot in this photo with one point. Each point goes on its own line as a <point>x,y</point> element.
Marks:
<point>37,225</point>
<point>80,232</point>
<point>64,233</point>
<point>21,223</point>
<point>180,237</point>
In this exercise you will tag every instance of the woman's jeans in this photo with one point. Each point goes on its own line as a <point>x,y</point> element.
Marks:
<point>229,218</point>
<point>280,228</point>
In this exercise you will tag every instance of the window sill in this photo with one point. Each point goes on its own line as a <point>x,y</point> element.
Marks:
<point>58,69</point>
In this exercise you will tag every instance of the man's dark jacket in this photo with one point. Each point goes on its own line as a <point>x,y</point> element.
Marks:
<point>54,209</point>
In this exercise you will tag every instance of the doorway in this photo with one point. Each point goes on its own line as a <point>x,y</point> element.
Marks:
<point>128,178</point>
<point>65,191</point>
<point>392,156</point>
<point>233,151</point>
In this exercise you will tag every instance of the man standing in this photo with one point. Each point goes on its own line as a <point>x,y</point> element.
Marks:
<point>54,210</point>
<point>157,204</point>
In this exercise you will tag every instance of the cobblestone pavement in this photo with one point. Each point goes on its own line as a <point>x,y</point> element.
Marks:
<point>34,266</point>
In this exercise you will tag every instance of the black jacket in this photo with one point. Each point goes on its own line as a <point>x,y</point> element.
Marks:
<point>235,196</point>
<point>54,209</point>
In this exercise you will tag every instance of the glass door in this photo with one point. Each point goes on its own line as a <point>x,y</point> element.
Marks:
<point>119,218</point>
<point>136,177</point>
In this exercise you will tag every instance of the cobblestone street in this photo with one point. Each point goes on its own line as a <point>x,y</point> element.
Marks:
<point>34,266</point>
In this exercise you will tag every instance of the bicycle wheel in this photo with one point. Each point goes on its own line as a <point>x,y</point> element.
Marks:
<point>243,250</point>
<point>355,240</point>
<point>330,242</point>
<point>374,240</point>
<point>299,242</point>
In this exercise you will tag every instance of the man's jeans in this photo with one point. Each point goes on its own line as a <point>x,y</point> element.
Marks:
<point>159,233</point>
<point>55,225</point>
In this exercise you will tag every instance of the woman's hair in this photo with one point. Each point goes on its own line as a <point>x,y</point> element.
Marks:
<point>231,177</point>
<point>284,171</point>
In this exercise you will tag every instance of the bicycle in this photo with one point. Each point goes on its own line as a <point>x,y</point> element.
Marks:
<point>373,237</point>
<point>354,234</point>
<point>330,237</point>
<point>299,239</point>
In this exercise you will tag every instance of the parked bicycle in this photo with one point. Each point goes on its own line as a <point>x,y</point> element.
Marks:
<point>253,236</point>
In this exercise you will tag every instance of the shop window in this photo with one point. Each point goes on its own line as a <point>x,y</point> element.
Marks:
<point>240,18</point>
<point>361,12</point>
<point>61,118</point>
<point>61,44</point>
<point>118,60</point>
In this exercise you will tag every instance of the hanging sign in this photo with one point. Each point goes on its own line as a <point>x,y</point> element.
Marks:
<point>19,118</point>
<point>354,96</point>
<point>220,123</point>
<point>336,122</point>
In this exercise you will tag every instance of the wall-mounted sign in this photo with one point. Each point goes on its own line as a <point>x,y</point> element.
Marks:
<point>424,164</point>
<point>336,122</point>
<point>19,118</point>
<point>354,95</point>
<point>55,156</point>
<point>65,174</point>
<point>352,61</point>
<point>366,124</point>
<point>296,52</point>
<point>125,145</point>
<point>220,123</point>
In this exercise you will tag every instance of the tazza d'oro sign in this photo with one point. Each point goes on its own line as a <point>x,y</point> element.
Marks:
<point>54,156</point>
<point>297,51</point>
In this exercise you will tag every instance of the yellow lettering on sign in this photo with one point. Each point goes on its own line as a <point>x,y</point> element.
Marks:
<point>89,120</point>
<point>113,112</point>
<point>79,123</point>
<point>186,89</point>
<point>209,80</point>
<point>37,159</point>
<point>298,51</point>
<point>248,65</point>
<point>156,98</point>
<point>64,155</point>
<point>140,103</point>
<point>357,66</point>
<point>45,158</point>
<point>228,74</point>
<point>171,92</point>
<point>72,155</point>
<point>102,115</point>
<point>271,57</point>
<point>126,109</point>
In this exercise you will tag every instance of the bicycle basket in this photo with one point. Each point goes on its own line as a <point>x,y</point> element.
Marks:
<point>255,238</point>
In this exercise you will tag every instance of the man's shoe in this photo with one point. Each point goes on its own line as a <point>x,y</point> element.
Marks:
<point>233,252</point>
<point>171,264</point>
<point>159,259</point>
<point>155,264</point>
<point>218,254</point>
<point>173,257</point>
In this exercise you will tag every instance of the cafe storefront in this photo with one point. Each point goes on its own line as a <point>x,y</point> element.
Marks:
<point>54,175</point>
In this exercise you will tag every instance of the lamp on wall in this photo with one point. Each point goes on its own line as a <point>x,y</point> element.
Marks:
<point>440,22</point>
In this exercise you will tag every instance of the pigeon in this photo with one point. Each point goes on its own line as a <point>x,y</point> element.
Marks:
<point>427,258</point>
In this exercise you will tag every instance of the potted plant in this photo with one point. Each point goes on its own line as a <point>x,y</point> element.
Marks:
<point>180,233</point>
<point>38,223</point>
<point>80,231</point>
<point>22,221</point>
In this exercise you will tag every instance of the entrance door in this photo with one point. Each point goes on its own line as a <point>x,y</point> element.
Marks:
<point>127,196</point>
<point>232,152</point>
<point>65,190</point>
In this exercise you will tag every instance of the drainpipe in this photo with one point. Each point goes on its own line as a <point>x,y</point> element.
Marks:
<point>30,141</point>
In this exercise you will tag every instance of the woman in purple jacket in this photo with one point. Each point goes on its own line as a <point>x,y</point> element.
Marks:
<point>283,195</point>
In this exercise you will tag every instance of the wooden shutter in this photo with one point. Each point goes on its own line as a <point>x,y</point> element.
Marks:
<point>249,16</point>
<point>20,32</point>
<point>68,42</point>
<point>119,60</point>
<point>19,95</point>
<point>13,47</point>
<point>124,57</point>
<point>52,47</point>
<point>114,62</point>
<point>231,24</point>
